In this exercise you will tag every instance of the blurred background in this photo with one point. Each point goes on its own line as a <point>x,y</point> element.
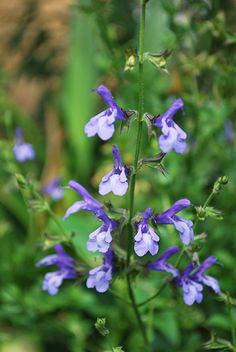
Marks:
<point>52,54</point>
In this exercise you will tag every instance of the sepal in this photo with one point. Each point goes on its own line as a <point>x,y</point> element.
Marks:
<point>158,59</point>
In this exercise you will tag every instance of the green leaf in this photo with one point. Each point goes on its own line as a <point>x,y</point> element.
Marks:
<point>168,318</point>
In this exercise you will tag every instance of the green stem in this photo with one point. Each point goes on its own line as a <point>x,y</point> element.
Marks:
<point>136,311</point>
<point>133,177</point>
<point>139,133</point>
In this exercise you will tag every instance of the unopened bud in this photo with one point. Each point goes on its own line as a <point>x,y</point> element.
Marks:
<point>224,180</point>
<point>21,181</point>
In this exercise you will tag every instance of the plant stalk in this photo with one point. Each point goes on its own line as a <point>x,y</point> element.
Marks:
<point>133,177</point>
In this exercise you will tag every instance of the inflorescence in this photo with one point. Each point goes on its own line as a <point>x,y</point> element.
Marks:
<point>146,240</point>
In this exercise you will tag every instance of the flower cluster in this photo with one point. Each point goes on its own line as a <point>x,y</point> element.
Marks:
<point>191,280</point>
<point>146,238</point>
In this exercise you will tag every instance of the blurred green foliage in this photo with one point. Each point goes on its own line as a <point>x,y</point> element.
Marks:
<point>202,35</point>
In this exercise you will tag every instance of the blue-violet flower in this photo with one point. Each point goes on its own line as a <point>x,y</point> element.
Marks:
<point>22,151</point>
<point>183,226</point>
<point>161,263</point>
<point>52,281</point>
<point>88,203</point>
<point>102,124</point>
<point>54,189</point>
<point>115,181</point>
<point>100,239</point>
<point>146,240</point>
<point>101,276</point>
<point>173,137</point>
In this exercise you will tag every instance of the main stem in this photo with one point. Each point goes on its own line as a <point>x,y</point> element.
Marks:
<point>140,123</point>
<point>133,177</point>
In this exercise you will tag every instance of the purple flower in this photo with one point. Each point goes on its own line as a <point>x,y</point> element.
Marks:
<point>146,240</point>
<point>183,226</point>
<point>22,151</point>
<point>54,189</point>
<point>192,278</point>
<point>101,276</point>
<point>102,124</point>
<point>173,137</point>
<point>100,239</point>
<point>161,263</point>
<point>115,181</point>
<point>88,203</point>
<point>52,281</point>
